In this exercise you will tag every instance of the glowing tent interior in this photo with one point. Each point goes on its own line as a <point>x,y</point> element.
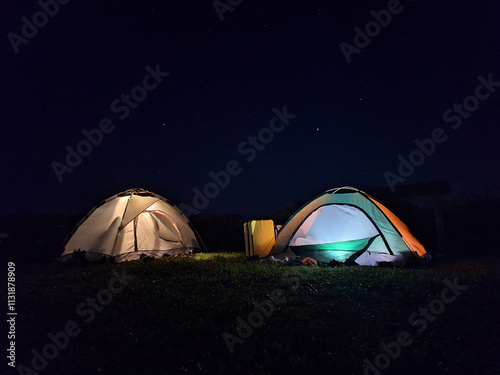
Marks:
<point>347,224</point>
<point>131,225</point>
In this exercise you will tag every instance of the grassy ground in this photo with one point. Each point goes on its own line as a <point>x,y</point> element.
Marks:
<point>174,313</point>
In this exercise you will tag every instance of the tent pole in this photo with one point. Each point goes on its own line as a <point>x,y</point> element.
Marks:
<point>135,233</point>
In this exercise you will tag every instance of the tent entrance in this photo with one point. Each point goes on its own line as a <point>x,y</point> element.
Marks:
<point>151,230</point>
<point>156,231</point>
<point>336,231</point>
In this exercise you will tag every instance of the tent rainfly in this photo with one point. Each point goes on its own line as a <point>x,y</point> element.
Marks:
<point>131,225</point>
<point>347,224</point>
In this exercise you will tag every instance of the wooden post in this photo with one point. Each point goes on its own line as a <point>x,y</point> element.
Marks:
<point>438,216</point>
<point>434,189</point>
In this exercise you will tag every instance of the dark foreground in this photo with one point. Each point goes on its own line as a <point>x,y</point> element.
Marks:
<point>223,314</point>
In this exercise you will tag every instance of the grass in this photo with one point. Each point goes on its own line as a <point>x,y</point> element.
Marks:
<point>172,317</point>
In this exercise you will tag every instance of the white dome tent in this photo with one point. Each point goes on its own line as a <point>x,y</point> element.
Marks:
<point>131,225</point>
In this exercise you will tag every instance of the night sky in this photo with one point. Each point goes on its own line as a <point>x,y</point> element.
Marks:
<point>226,81</point>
